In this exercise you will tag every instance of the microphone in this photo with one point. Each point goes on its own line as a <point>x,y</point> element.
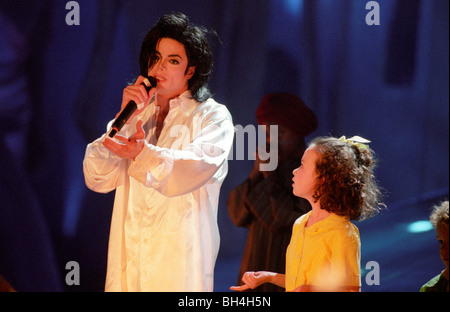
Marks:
<point>148,83</point>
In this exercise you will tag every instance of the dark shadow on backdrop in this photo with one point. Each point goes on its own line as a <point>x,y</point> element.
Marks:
<point>35,185</point>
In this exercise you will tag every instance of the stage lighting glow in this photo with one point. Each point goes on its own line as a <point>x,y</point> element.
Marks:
<point>420,226</point>
<point>293,6</point>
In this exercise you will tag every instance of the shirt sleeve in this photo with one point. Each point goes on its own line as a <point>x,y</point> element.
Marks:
<point>345,258</point>
<point>103,170</point>
<point>175,172</point>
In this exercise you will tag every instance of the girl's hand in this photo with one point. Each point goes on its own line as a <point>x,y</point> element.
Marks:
<point>253,279</point>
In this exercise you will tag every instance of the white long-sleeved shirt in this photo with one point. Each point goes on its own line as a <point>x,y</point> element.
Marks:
<point>164,234</point>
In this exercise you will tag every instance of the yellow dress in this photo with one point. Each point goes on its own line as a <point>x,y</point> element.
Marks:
<point>327,254</point>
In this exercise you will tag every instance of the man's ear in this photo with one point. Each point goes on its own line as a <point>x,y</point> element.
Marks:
<point>190,71</point>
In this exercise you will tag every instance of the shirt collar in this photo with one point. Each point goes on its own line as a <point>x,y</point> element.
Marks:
<point>185,101</point>
<point>328,223</point>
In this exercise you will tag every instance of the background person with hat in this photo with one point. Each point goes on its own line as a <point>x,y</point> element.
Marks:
<point>263,203</point>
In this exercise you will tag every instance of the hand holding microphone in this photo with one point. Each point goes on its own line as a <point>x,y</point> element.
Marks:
<point>137,93</point>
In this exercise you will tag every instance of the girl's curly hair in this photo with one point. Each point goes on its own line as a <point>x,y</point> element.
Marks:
<point>346,184</point>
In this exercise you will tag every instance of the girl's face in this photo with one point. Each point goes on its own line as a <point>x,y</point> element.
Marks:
<point>169,68</point>
<point>305,175</point>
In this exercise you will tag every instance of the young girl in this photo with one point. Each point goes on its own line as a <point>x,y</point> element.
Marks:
<point>336,177</point>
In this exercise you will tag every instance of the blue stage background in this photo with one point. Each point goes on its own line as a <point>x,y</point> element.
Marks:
<point>61,84</point>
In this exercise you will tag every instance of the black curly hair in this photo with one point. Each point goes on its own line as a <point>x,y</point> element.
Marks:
<point>178,27</point>
<point>346,184</point>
